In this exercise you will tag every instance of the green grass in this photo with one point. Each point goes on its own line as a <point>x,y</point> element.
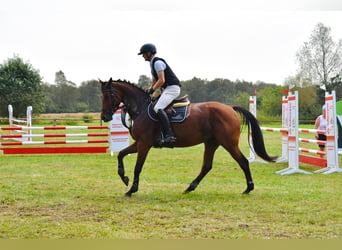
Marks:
<point>81,196</point>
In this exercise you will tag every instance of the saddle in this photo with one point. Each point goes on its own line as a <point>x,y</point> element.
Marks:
<point>179,102</point>
<point>177,111</point>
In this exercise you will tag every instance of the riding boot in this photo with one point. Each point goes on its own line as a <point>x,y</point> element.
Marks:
<point>166,127</point>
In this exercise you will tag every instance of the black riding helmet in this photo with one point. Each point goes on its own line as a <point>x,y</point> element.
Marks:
<point>148,47</point>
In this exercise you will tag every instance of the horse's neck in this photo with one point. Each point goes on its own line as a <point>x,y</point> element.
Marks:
<point>135,102</point>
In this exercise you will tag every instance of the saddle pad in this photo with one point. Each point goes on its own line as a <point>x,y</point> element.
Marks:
<point>179,114</point>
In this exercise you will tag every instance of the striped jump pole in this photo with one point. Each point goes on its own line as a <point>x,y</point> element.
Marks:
<point>312,160</point>
<point>55,128</point>
<point>52,135</point>
<point>51,142</point>
<point>117,138</point>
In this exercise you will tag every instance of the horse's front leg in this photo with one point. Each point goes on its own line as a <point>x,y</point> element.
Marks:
<point>121,169</point>
<point>142,153</point>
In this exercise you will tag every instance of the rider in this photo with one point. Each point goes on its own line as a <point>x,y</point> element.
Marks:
<point>163,78</point>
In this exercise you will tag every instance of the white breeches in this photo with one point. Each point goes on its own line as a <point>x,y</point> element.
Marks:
<point>168,95</point>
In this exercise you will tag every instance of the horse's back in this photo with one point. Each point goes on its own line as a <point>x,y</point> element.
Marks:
<point>209,120</point>
<point>215,112</point>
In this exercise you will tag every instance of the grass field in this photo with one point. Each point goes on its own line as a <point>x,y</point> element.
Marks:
<point>81,197</point>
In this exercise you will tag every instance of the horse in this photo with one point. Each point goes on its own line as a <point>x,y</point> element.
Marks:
<point>212,123</point>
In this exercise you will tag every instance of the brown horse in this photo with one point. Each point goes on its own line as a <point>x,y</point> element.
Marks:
<point>212,123</point>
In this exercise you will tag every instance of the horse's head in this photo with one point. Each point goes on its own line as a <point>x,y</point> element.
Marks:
<point>110,100</point>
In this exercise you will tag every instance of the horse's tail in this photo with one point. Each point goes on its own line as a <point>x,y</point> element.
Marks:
<point>257,137</point>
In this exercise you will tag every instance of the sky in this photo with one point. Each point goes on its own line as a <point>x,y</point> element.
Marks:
<point>251,40</point>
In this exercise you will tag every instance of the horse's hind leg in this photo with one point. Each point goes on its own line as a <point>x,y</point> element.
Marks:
<point>210,148</point>
<point>244,164</point>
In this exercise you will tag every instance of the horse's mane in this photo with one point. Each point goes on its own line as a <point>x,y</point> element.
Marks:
<point>131,84</point>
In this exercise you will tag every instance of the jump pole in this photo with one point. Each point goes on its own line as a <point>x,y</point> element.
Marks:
<point>118,138</point>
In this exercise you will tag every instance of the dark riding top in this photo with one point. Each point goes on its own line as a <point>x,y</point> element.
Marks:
<point>170,77</point>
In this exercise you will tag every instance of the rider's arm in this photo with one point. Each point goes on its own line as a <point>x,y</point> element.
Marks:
<point>161,80</point>
<point>153,82</point>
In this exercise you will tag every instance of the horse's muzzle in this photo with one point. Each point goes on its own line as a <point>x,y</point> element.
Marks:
<point>106,117</point>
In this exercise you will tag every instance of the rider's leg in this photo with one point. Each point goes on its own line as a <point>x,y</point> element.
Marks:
<point>167,96</point>
<point>166,127</point>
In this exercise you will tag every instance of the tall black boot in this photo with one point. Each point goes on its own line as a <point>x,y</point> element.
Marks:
<point>166,127</point>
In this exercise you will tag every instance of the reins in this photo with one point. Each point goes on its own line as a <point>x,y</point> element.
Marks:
<point>123,118</point>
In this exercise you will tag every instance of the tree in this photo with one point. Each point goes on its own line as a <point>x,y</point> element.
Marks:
<point>196,89</point>
<point>241,99</point>
<point>61,79</point>
<point>336,84</point>
<point>320,58</point>
<point>90,94</point>
<point>297,81</point>
<point>309,103</point>
<point>63,96</point>
<point>21,86</point>
<point>50,92</point>
<point>270,101</point>
<point>144,82</point>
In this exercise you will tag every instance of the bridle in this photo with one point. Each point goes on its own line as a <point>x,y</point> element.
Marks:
<point>112,108</point>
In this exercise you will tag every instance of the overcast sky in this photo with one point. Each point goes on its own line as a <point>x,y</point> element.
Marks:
<point>252,40</point>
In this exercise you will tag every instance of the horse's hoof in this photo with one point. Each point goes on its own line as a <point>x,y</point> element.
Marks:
<point>247,191</point>
<point>125,179</point>
<point>191,188</point>
<point>128,195</point>
<point>250,187</point>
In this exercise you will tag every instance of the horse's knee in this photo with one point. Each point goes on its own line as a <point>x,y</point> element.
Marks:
<point>121,155</point>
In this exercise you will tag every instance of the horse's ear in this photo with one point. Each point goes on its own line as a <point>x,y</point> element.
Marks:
<point>110,80</point>
<point>100,80</point>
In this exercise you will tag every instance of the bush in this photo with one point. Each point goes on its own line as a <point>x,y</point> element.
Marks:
<point>87,118</point>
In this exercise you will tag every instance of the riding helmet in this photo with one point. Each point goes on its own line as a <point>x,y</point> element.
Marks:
<point>148,47</point>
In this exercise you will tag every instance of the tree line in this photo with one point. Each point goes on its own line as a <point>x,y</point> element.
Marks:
<point>320,68</point>
<point>65,96</point>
